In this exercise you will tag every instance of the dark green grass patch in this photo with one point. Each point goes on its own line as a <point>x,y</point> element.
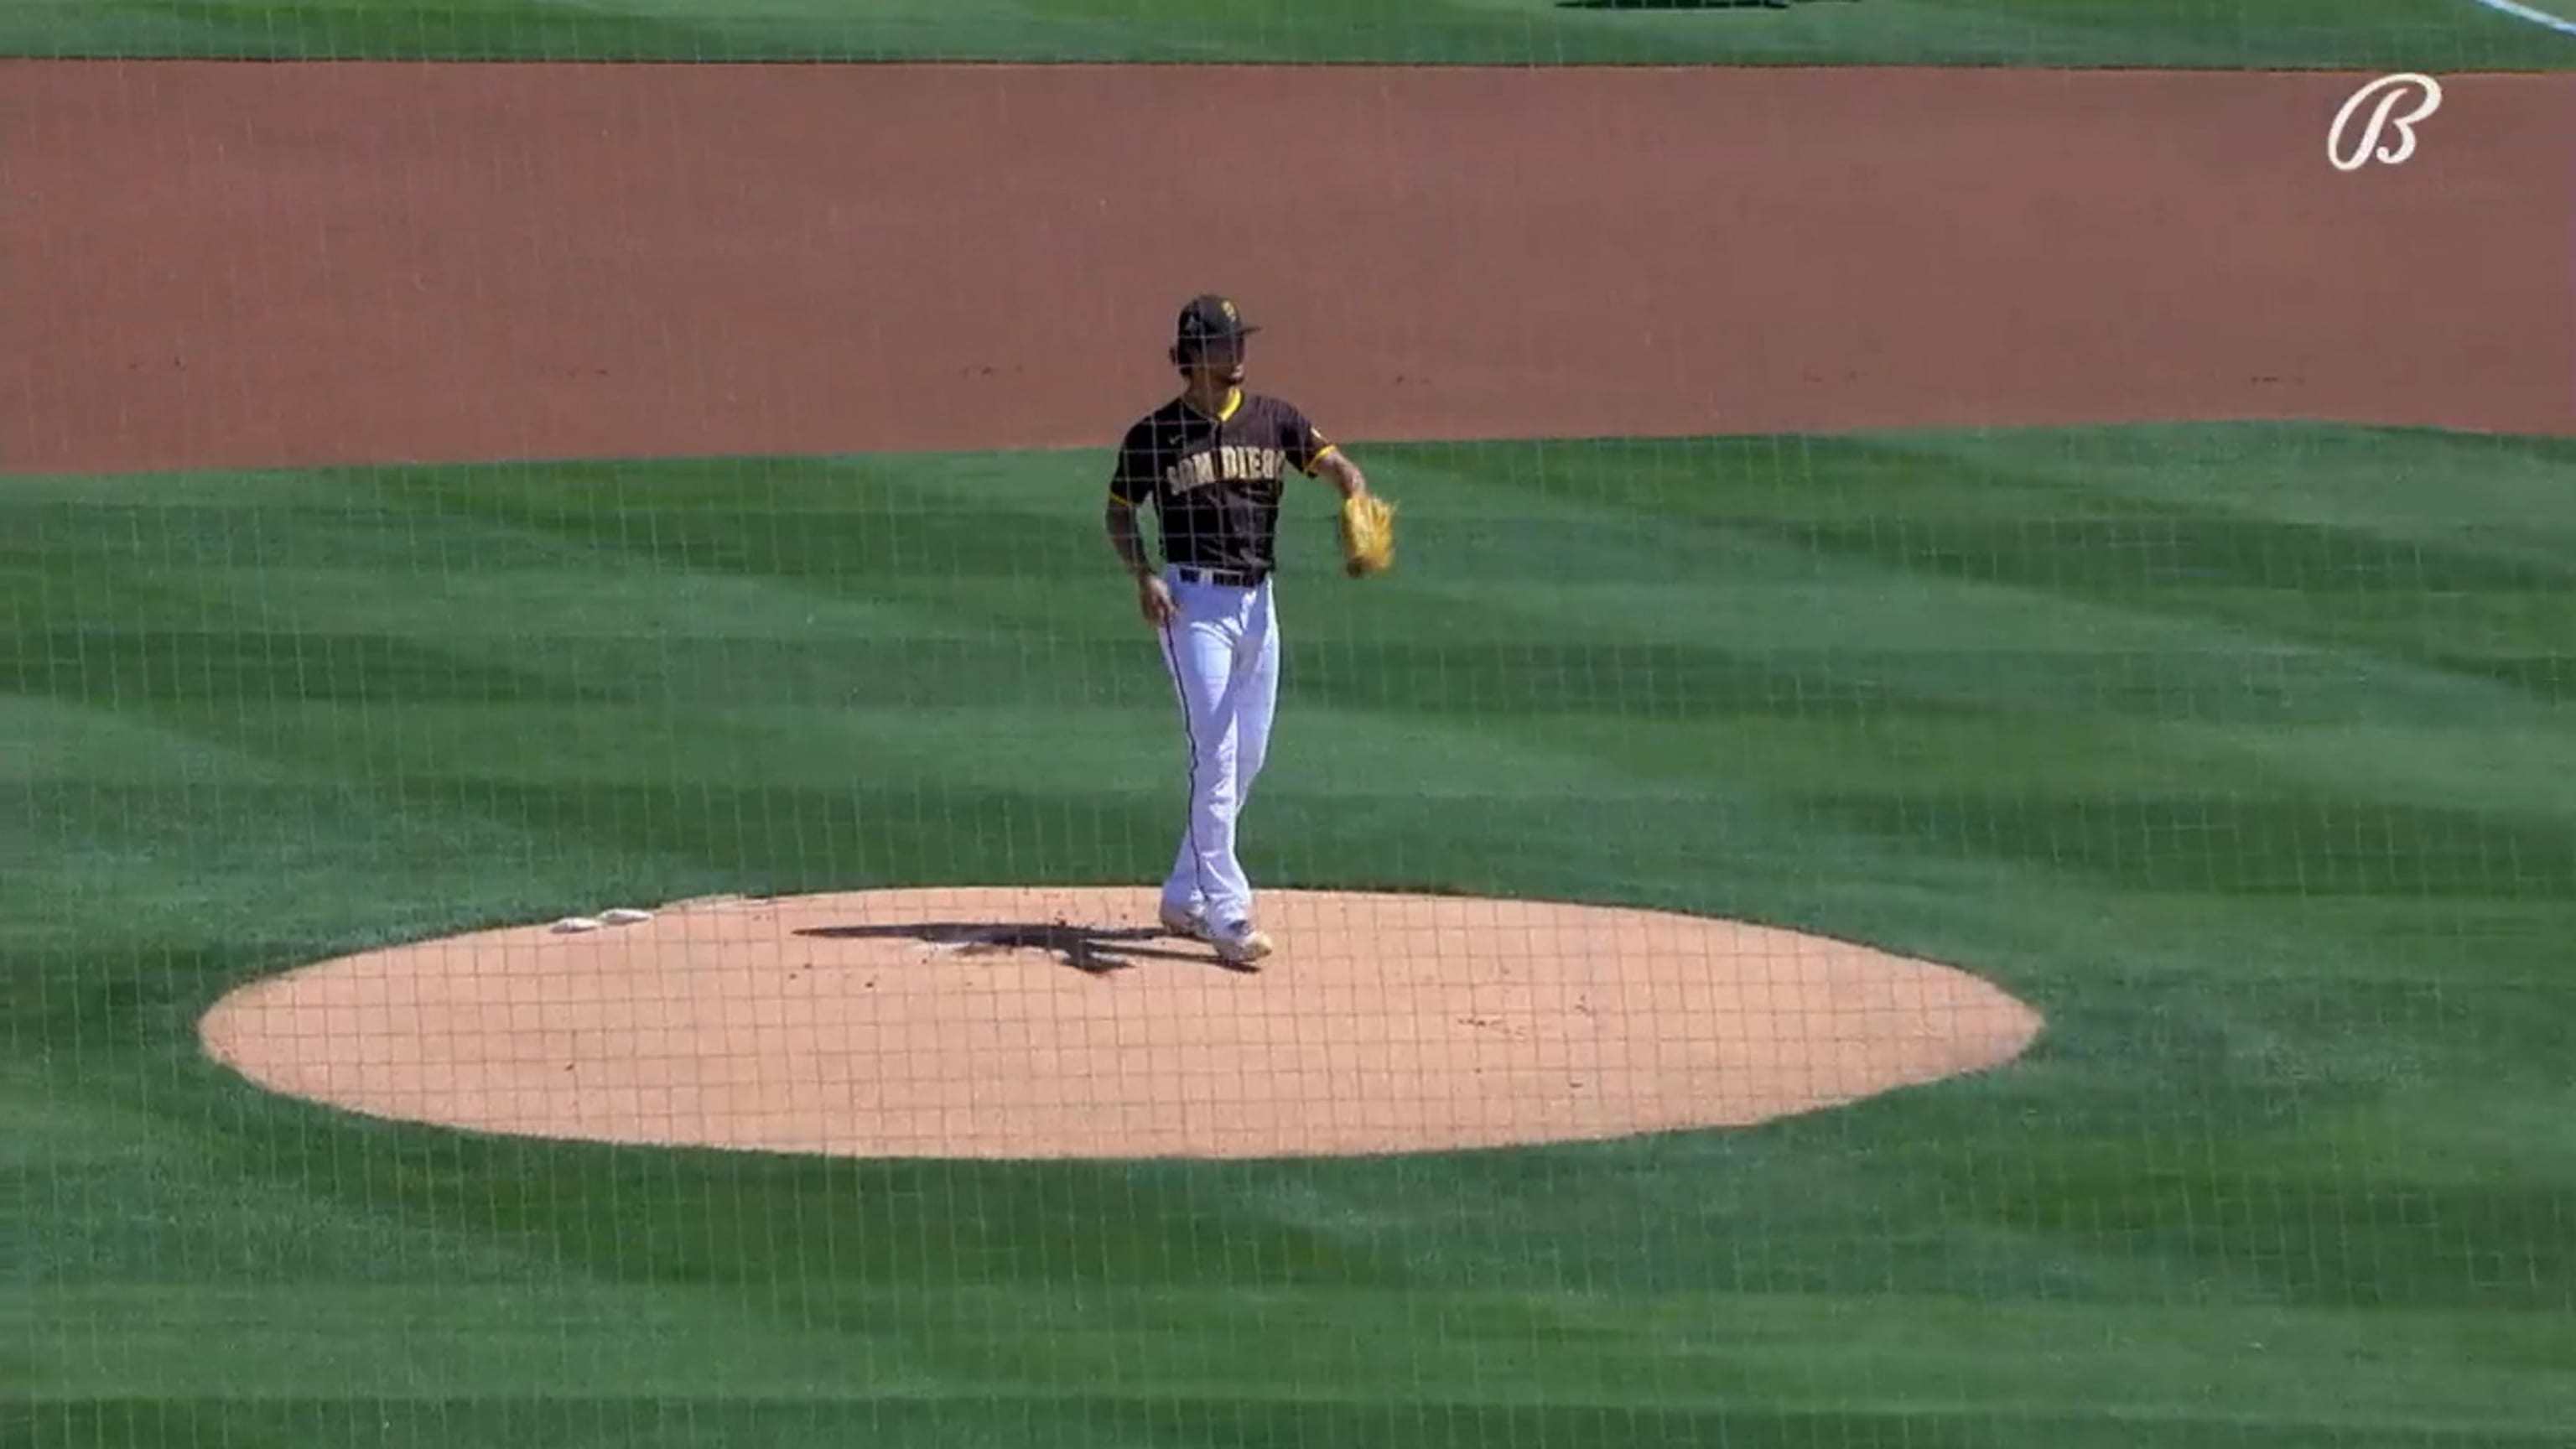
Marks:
<point>2434,35</point>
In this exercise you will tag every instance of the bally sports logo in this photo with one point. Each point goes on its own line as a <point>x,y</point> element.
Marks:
<point>2422,91</point>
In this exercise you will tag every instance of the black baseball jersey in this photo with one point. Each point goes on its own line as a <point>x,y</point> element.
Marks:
<point>1215,482</point>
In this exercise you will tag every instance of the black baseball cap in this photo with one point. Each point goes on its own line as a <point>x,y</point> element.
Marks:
<point>1210,318</point>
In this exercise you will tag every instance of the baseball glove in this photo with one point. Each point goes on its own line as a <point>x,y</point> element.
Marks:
<point>1368,535</point>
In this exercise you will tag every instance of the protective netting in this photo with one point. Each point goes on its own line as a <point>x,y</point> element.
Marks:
<point>669,781</point>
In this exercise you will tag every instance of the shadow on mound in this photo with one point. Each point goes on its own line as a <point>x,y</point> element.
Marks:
<point>1096,950</point>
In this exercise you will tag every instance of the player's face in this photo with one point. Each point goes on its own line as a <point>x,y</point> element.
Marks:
<point>1222,361</point>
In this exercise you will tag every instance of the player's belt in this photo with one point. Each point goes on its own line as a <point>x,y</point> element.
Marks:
<point>1223,578</point>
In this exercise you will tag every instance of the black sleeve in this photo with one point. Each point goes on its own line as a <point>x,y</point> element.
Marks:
<point>1132,480</point>
<point>1301,440</point>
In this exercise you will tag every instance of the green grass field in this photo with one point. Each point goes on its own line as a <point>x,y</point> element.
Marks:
<point>2435,35</point>
<point>2240,750</point>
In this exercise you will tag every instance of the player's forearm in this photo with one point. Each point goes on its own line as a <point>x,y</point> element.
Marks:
<point>1127,540</point>
<point>1338,470</point>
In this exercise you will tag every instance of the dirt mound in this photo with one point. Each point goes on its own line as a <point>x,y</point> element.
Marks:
<point>1029,1022</point>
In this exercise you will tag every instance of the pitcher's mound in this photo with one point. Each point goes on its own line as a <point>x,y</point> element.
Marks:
<point>1030,1022</point>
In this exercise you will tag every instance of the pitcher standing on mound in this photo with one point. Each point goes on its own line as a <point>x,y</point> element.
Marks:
<point>1212,462</point>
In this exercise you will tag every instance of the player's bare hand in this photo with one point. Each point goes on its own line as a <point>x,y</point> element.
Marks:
<point>1154,600</point>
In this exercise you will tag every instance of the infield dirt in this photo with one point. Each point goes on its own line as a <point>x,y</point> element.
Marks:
<point>250,265</point>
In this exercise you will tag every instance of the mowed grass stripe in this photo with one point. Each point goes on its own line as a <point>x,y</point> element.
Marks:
<point>45,738</point>
<point>261,875</point>
<point>2498,496</point>
<point>1329,749</point>
<point>1103,1421</point>
<point>2384,33</point>
<point>1089,750</point>
<point>2310,509</point>
<point>2486,491</point>
<point>182,666</point>
<point>1932,1355</point>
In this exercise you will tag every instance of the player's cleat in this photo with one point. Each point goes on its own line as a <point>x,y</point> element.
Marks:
<point>1239,944</point>
<point>1188,924</point>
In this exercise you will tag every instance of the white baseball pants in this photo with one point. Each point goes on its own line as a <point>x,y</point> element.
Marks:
<point>1222,653</point>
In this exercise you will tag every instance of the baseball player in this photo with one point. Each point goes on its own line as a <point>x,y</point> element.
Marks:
<point>1211,461</point>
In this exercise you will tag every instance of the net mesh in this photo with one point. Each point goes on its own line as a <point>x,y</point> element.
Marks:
<point>1946,831</point>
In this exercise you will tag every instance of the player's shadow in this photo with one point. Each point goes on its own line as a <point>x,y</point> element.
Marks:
<point>1093,950</point>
